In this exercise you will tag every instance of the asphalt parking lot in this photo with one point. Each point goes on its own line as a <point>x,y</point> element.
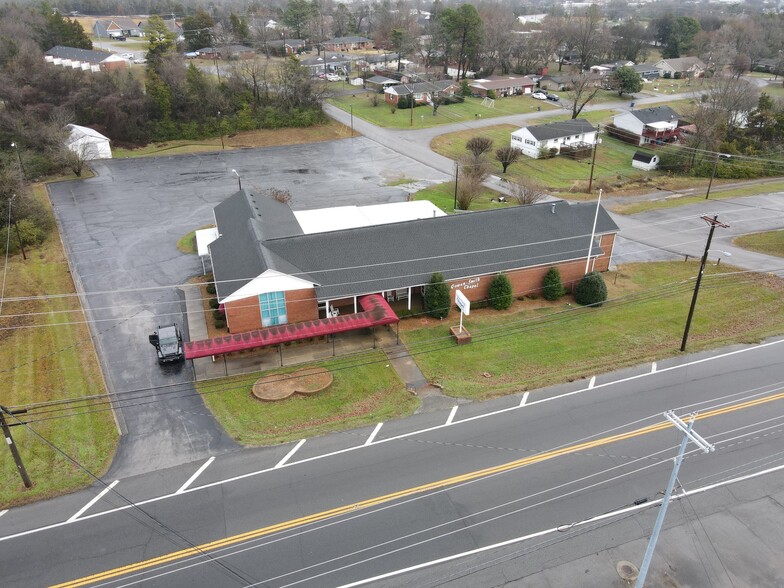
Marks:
<point>120,230</point>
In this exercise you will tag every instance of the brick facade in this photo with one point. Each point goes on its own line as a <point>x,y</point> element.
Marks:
<point>243,315</point>
<point>301,305</point>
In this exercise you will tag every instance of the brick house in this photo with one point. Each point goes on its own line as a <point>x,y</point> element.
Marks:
<point>502,86</point>
<point>422,92</point>
<point>84,59</point>
<point>274,267</point>
<point>347,44</point>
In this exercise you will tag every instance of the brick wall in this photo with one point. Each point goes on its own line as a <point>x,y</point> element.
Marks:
<point>243,315</point>
<point>301,305</point>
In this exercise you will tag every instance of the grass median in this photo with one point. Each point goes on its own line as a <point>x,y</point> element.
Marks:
<point>769,242</point>
<point>537,344</point>
<point>46,354</point>
<point>365,390</point>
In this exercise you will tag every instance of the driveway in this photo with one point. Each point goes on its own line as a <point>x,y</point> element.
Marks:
<point>120,230</point>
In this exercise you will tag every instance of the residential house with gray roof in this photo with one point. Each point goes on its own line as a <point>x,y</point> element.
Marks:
<point>538,140</point>
<point>660,124</point>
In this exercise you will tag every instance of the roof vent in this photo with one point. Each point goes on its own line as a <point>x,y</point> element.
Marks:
<point>552,210</point>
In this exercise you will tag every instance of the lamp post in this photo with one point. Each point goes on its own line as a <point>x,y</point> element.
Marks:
<point>19,157</point>
<point>351,111</point>
<point>239,179</point>
<point>457,170</point>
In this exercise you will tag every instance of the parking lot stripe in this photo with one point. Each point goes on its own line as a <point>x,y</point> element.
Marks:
<point>2,512</point>
<point>283,461</point>
<point>100,495</point>
<point>524,399</point>
<point>195,475</point>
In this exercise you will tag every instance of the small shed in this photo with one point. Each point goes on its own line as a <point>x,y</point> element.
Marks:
<point>88,143</point>
<point>646,161</point>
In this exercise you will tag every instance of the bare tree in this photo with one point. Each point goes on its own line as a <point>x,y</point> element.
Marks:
<point>527,191</point>
<point>478,146</point>
<point>468,190</point>
<point>583,90</point>
<point>506,156</point>
<point>253,74</point>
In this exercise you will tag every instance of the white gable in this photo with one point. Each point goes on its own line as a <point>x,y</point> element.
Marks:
<point>269,281</point>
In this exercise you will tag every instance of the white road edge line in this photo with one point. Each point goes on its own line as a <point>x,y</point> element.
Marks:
<point>100,495</point>
<point>592,382</point>
<point>524,399</point>
<point>653,367</point>
<point>283,461</point>
<point>373,434</point>
<point>195,475</point>
<point>451,416</point>
<point>557,529</point>
<point>2,512</point>
<point>386,440</point>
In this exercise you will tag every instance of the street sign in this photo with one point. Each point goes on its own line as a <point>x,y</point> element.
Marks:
<point>462,302</point>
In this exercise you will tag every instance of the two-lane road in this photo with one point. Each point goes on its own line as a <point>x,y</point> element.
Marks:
<point>527,464</point>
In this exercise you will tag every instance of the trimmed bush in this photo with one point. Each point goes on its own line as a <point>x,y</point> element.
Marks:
<point>437,298</point>
<point>220,324</point>
<point>552,286</point>
<point>214,303</point>
<point>210,288</point>
<point>591,291</point>
<point>500,292</point>
<point>218,315</point>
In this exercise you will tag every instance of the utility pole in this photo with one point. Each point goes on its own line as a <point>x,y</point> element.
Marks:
<point>688,434</point>
<point>593,158</point>
<point>457,170</point>
<point>713,175</point>
<point>16,226</point>
<point>19,157</point>
<point>12,446</point>
<point>713,222</point>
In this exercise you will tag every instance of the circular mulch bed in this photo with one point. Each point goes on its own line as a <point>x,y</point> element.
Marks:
<point>279,386</point>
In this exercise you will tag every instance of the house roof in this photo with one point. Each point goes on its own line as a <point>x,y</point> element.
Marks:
<point>77,132</point>
<point>381,80</point>
<point>416,88</point>
<point>324,57</point>
<point>496,82</point>
<point>683,63</point>
<point>643,156</point>
<point>397,255</point>
<point>383,58</point>
<point>347,40</point>
<point>126,24</point>
<point>559,129</point>
<point>655,114</point>
<point>75,54</point>
<point>289,42</point>
<point>644,67</point>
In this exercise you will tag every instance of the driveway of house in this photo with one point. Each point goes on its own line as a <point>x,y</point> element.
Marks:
<point>120,230</point>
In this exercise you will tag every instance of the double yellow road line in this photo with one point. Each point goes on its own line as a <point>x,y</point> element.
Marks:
<point>349,508</point>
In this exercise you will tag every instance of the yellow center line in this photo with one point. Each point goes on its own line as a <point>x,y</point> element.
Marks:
<point>326,514</point>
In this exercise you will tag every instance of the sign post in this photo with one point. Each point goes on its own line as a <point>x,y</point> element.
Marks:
<point>463,304</point>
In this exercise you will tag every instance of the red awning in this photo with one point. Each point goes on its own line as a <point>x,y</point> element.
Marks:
<point>376,312</point>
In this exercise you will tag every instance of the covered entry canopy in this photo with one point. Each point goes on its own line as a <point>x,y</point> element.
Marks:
<point>376,312</point>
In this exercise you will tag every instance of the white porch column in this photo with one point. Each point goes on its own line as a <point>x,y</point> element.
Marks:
<point>409,298</point>
<point>355,305</point>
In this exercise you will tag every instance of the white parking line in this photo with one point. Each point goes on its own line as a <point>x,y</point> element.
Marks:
<point>653,367</point>
<point>559,529</point>
<point>373,434</point>
<point>283,461</point>
<point>196,474</point>
<point>101,494</point>
<point>524,399</point>
<point>451,416</point>
<point>592,382</point>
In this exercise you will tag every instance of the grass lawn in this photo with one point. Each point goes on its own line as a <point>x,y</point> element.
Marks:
<point>770,242</point>
<point>443,196</point>
<point>472,108</point>
<point>750,190</point>
<point>328,131</point>
<point>187,243</point>
<point>537,343</point>
<point>559,174</point>
<point>360,395</point>
<point>49,363</point>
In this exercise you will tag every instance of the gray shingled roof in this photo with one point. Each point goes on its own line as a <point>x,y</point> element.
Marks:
<point>559,129</point>
<point>85,55</point>
<point>656,114</point>
<point>420,87</point>
<point>346,40</point>
<point>397,255</point>
<point>643,156</point>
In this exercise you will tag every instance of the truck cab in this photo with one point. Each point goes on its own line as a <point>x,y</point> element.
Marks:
<point>167,341</point>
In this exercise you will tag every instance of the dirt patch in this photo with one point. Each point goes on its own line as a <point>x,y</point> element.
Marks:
<point>279,386</point>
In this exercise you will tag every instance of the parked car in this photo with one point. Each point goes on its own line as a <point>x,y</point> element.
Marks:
<point>127,56</point>
<point>553,97</point>
<point>167,341</point>
<point>331,77</point>
<point>140,60</point>
<point>539,95</point>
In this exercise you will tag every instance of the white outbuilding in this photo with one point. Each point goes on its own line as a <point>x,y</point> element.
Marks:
<point>88,143</point>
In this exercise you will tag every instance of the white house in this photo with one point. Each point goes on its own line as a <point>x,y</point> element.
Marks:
<point>649,125</point>
<point>686,67</point>
<point>87,143</point>
<point>533,140</point>
<point>645,161</point>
